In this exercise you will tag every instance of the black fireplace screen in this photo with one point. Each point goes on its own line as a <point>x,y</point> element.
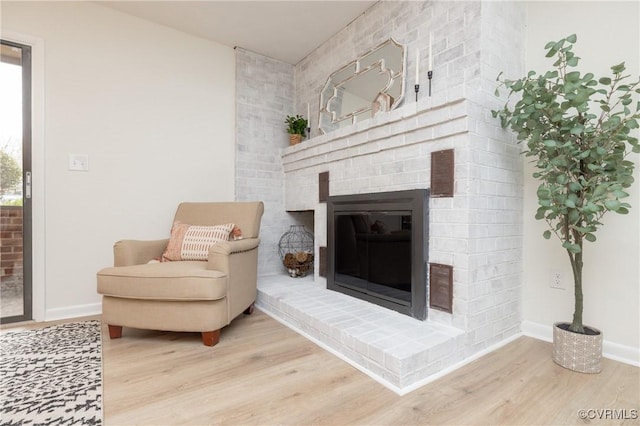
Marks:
<point>377,248</point>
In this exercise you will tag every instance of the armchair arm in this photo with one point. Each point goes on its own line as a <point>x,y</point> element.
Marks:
<point>230,247</point>
<point>136,252</point>
<point>239,261</point>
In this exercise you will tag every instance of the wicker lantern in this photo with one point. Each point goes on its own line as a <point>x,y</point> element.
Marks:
<point>296,251</point>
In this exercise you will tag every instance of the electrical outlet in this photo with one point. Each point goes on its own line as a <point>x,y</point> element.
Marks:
<point>556,280</point>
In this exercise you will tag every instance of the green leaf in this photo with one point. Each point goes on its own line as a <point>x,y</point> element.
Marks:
<point>572,62</point>
<point>592,208</point>
<point>620,194</point>
<point>605,81</point>
<point>617,69</point>
<point>575,186</point>
<point>600,190</point>
<point>573,76</point>
<point>573,248</point>
<point>577,129</point>
<point>612,205</point>
<point>573,216</point>
<point>570,203</point>
<point>572,38</point>
<point>549,143</point>
<point>582,230</point>
<point>590,237</point>
<point>546,234</point>
<point>544,193</point>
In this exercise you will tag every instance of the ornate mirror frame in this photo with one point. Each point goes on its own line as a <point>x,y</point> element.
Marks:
<point>371,83</point>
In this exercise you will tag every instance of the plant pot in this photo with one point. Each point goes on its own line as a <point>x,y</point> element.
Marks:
<point>575,351</point>
<point>295,139</point>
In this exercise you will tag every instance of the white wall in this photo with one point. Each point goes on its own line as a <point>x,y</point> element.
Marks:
<point>154,110</point>
<point>608,34</point>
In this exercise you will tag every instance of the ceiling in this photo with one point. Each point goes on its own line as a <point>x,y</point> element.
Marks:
<point>284,30</point>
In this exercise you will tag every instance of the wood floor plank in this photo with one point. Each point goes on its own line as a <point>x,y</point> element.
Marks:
<point>262,373</point>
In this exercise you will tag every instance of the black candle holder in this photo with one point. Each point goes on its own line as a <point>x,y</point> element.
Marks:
<point>430,76</point>
<point>417,89</point>
<point>308,132</point>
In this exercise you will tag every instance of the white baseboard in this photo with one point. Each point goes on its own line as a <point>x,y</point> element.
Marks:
<point>537,331</point>
<point>615,351</point>
<point>73,311</point>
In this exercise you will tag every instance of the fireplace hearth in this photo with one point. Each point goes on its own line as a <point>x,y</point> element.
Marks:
<point>378,248</point>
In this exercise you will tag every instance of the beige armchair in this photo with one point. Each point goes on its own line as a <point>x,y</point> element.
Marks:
<point>186,295</point>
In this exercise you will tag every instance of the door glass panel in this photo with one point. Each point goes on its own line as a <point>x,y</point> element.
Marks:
<point>14,300</point>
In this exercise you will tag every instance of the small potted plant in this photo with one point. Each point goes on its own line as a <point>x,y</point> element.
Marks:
<point>579,131</point>
<point>296,127</point>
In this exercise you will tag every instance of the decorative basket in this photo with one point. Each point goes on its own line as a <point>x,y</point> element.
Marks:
<point>296,251</point>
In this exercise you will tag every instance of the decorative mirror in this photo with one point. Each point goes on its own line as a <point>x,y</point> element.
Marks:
<point>373,82</point>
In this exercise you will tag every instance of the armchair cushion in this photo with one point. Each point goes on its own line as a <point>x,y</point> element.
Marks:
<point>191,242</point>
<point>184,280</point>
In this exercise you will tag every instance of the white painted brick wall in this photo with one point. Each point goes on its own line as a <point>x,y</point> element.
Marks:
<point>479,231</point>
<point>264,95</point>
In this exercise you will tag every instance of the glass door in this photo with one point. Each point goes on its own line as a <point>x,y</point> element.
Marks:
<point>15,182</point>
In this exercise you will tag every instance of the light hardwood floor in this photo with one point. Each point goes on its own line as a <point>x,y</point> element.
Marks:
<point>262,373</point>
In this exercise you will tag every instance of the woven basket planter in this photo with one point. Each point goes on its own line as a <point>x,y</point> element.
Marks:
<point>575,351</point>
<point>295,139</point>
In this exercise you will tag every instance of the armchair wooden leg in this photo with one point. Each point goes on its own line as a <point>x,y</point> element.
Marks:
<point>210,338</point>
<point>249,310</point>
<point>115,331</point>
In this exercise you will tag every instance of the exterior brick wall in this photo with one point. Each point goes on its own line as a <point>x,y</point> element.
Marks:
<point>11,260</point>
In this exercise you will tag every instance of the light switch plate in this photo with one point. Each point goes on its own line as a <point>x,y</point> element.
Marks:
<point>79,162</point>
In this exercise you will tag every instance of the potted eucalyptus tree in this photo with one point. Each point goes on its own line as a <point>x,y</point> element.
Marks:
<point>579,131</point>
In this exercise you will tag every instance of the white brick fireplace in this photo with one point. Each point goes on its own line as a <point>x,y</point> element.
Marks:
<point>478,231</point>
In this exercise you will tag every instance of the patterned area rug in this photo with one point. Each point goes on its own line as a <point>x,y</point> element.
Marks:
<point>52,375</point>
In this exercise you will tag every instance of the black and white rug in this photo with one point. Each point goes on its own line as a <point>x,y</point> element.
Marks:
<point>52,375</point>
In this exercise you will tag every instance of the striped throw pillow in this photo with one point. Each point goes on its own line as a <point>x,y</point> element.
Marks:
<point>192,242</point>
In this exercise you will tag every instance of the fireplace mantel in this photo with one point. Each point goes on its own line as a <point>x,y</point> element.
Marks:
<point>429,121</point>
